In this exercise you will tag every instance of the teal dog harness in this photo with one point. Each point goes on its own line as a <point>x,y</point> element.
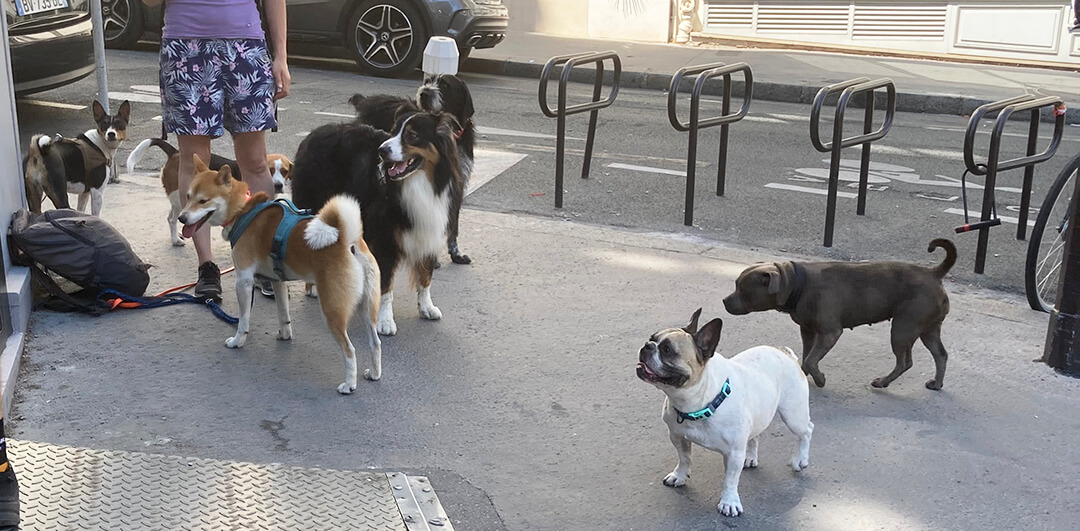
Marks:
<point>291,217</point>
<point>709,409</point>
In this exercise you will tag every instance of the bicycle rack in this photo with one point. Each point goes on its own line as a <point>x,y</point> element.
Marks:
<point>569,61</point>
<point>848,89</point>
<point>1006,108</point>
<point>705,73</point>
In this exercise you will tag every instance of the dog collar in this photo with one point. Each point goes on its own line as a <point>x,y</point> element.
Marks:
<point>230,222</point>
<point>796,291</point>
<point>725,391</point>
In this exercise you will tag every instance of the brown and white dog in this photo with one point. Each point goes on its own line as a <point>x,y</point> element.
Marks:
<point>58,166</point>
<point>280,170</point>
<point>327,250</point>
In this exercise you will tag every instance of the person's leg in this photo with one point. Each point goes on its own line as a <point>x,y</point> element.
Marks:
<point>1076,16</point>
<point>191,145</point>
<point>250,151</point>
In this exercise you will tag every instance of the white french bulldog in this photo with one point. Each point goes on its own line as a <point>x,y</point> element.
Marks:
<point>724,404</point>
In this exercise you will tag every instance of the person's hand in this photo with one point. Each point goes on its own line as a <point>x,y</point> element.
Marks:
<point>282,79</point>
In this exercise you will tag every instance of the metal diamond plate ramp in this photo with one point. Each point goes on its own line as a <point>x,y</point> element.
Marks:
<point>68,488</point>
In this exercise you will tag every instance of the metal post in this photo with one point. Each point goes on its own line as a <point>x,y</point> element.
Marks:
<point>691,165</point>
<point>99,53</point>
<point>834,173</point>
<point>1029,176</point>
<point>592,121</point>
<point>864,164</point>
<point>721,159</point>
<point>560,144</point>
<point>1062,350</point>
<point>988,201</point>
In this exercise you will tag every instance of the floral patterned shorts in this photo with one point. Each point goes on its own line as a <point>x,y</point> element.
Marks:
<point>209,86</point>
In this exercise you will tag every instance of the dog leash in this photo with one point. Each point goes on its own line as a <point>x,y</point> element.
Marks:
<point>168,297</point>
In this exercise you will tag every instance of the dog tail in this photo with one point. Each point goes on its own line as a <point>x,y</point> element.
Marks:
<point>355,101</point>
<point>140,151</point>
<point>339,218</point>
<point>950,256</point>
<point>38,145</point>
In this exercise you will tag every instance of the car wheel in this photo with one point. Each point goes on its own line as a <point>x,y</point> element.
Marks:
<point>387,37</point>
<point>463,55</point>
<point>123,21</point>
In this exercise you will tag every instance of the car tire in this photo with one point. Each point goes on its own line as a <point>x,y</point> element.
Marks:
<point>123,21</point>
<point>463,55</point>
<point>386,38</point>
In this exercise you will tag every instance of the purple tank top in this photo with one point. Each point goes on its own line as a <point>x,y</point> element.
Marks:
<point>212,19</point>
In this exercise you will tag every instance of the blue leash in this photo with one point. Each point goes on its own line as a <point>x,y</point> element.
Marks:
<point>169,300</point>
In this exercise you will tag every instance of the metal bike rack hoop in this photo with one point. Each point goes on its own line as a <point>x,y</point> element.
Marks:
<point>694,124</point>
<point>561,111</point>
<point>1005,109</point>
<point>847,89</point>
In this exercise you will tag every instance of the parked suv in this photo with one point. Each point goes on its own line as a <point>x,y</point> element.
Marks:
<point>50,43</point>
<point>384,37</point>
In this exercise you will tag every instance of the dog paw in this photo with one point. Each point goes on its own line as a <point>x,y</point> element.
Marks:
<point>285,333</point>
<point>236,341</point>
<point>345,388</point>
<point>730,505</point>
<point>178,243</point>
<point>372,375</point>
<point>880,383</point>
<point>800,463</point>
<point>387,327</point>
<point>462,259</point>
<point>431,312</point>
<point>675,479</point>
<point>933,385</point>
<point>312,292</point>
<point>819,380</point>
<point>750,462</point>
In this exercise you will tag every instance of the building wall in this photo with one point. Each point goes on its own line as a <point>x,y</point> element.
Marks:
<point>632,20</point>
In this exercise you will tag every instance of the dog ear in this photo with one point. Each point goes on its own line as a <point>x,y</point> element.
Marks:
<point>448,125</point>
<point>708,338</point>
<point>774,280</point>
<point>200,166</point>
<point>224,175</point>
<point>99,111</point>
<point>125,111</point>
<point>692,327</point>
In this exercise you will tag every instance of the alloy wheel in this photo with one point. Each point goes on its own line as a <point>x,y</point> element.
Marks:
<point>384,36</point>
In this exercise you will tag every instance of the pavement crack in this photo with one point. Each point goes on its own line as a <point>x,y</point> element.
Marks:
<point>275,427</point>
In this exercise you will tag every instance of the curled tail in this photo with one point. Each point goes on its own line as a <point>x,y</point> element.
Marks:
<point>36,152</point>
<point>338,219</point>
<point>950,256</point>
<point>140,150</point>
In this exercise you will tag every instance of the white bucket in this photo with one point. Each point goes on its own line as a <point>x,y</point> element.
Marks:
<point>441,56</point>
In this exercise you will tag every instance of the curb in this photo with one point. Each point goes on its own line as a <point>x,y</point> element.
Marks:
<point>763,90</point>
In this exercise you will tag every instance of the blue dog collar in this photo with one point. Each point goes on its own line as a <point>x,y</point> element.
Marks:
<point>709,409</point>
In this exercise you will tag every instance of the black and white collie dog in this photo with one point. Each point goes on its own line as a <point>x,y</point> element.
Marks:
<point>403,181</point>
<point>444,93</point>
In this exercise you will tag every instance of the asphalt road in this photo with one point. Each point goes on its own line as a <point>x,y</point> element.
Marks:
<point>521,404</point>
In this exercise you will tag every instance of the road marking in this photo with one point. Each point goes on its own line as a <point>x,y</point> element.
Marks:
<point>140,97</point>
<point>976,216</point>
<point>646,169</point>
<point>948,199</point>
<point>53,104</point>
<point>808,190</point>
<point>764,119</point>
<point>489,164</point>
<point>782,116</point>
<point>303,133</point>
<point>335,114</point>
<point>156,118</point>
<point>510,132</point>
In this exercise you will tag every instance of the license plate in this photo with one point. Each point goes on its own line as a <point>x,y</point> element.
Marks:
<point>29,7</point>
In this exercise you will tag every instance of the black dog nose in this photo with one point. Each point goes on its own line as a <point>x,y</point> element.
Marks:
<point>183,219</point>
<point>112,136</point>
<point>649,348</point>
<point>278,187</point>
<point>384,150</point>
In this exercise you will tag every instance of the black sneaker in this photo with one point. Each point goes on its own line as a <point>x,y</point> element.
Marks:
<point>266,287</point>
<point>1075,28</point>
<point>209,284</point>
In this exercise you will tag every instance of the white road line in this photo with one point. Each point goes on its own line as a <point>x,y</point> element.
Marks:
<point>764,119</point>
<point>140,97</point>
<point>56,105</point>
<point>797,117</point>
<point>807,190</point>
<point>489,165</point>
<point>976,216</point>
<point>335,114</point>
<point>303,133</point>
<point>646,169</point>
<point>525,134</point>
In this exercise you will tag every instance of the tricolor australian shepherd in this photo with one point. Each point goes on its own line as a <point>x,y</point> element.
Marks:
<point>403,181</point>
<point>445,93</point>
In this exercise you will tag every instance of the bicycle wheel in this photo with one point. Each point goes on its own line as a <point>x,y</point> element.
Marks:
<point>1047,245</point>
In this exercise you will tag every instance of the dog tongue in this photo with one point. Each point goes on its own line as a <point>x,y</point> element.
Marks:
<point>189,230</point>
<point>397,168</point>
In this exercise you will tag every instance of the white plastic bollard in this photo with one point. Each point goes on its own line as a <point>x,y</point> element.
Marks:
<point>440,56</point>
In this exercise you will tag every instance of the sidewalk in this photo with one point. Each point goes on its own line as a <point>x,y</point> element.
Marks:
<point>523,398</point>
<point>795,76</point>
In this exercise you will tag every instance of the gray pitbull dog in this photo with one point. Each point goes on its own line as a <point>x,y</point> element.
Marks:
<point>824,298</point>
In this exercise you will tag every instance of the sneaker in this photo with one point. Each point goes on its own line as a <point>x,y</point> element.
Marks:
<point>1075,28</point>
<point>266,287</point>
<point>209,284</point>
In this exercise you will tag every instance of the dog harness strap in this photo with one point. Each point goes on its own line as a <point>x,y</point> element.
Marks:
<point>796,290</point>
<point>240,224</point>
<point>291,216</point>
<point>725,391</point>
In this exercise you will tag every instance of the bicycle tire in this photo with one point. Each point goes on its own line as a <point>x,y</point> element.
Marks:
<point>1036,299</point>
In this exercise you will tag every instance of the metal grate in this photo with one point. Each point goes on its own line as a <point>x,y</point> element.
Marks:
<point>729,14</point>
<point>819,17</point>
<point>894,21</point>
